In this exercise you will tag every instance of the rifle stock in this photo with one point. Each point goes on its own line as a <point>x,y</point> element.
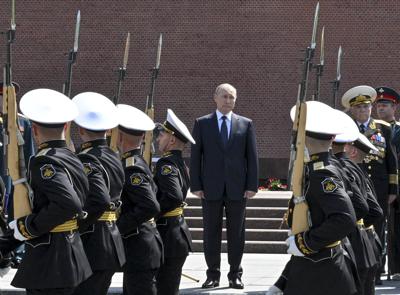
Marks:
<point>148,138</point>
<point>15,155</point>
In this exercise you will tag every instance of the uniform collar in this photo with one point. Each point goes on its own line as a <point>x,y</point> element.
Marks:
<point>173,152</point>
<point>324,156</point>
<point>52,144</point>
<point>341,155</point>
<point>130,153</point>
<point>93,143</point>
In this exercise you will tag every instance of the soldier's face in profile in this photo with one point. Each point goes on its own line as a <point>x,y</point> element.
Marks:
<point>225,100</point>
<point>361,112</point>
<point>163,140</point>
<point>385,110</point>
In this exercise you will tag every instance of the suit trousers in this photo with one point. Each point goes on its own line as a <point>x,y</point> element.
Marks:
<point>235,211</point>
<point>97,284</point>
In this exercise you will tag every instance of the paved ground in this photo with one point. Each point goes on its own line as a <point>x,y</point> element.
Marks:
<point>260,271</point>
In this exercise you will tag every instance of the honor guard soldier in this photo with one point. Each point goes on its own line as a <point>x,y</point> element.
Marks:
<point>99,233</point>
<point>318,260</point>
<point>55,261</point>
<point>172,179</point>
<point>386,105</point>
<point>382,165</point>
<point>143,244</point>
<point>356,152</point>
<point>365,205</point>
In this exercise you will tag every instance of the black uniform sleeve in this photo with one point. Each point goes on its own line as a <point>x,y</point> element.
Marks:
<point>169,187</point>
<point>391,161</point>
<point>358,198</point>
<point>52,181</point>
<point>329,196</point>
<point>139,192</point>
<point>98,199</point>
<point>375,212</point>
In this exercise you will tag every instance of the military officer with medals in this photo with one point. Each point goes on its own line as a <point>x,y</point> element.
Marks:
<point>55,261</point>
<point>143,244</point>
<point>172,179</point>
<point>381,165</point>
<point>386,105</point>
<point>99,233</point>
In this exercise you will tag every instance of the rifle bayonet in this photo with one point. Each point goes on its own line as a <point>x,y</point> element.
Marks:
<point>336,82</point>
<point>320,67</point>
<point>315,25</point>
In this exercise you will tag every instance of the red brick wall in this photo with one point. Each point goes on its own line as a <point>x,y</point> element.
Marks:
<point>255,45</point>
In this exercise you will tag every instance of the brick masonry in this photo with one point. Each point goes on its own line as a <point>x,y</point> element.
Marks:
<point>255,45</point>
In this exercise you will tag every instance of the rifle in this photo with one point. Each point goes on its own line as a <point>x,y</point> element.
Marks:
<point>148,139</point>
<point>336,82</point>
<point>121,77</point>
<point>13,141</point>
<point>71,61</point>
<point>300,220</point>
<point>320,67</point>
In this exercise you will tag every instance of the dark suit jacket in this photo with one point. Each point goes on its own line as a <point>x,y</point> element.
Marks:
<point>214,167</point>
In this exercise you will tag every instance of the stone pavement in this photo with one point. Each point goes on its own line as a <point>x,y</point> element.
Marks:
<point>260,271</point>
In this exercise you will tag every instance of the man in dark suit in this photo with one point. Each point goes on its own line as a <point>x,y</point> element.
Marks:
<point>224,174</point>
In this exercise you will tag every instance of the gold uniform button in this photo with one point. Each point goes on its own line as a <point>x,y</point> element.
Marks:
<point>369,175</point>
<point>369,167</point>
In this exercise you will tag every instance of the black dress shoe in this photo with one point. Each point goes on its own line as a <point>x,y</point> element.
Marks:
<point>210,283</point>
<point>236,283</point>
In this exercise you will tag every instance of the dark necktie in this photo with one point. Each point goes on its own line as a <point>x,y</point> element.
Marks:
<point>362,128</point>
<point>224,131</point>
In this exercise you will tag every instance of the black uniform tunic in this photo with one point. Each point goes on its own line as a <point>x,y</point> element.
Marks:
<point>325,268</point>
<point>143,245</point>
<point>172,179</point>
<point>101,239</point>
<point>53,260</point>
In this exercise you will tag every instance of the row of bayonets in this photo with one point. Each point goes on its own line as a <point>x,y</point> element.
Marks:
<point>319,67</point>
<point>72,59</point>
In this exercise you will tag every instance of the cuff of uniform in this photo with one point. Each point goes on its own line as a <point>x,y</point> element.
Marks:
<point>393,179</point>
<point>23,228</point>
<point>302,245</point>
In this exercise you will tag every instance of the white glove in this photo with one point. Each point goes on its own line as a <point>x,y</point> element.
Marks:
<point>17,234</point>
<point>274,290</point>
<point>4,271</point>
<point>290,242</point>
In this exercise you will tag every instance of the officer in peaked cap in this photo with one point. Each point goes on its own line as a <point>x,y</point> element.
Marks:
<point>365,205</point>
<point>386,106</point>
<point>172,179</point>
<point>99,232</point>
<point>60,186</point>
<point>143,244</point>
<point>381,165</point>
<point>331,213</point>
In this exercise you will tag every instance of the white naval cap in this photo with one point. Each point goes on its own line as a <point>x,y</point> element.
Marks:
<point>351,131</point>
<point>364,144</point>
<point>48,107</point>
<point>133,119</point>
<point>358,95</point>
<point>176,127</point>
<point>96,112</point>
<point>322,120</point>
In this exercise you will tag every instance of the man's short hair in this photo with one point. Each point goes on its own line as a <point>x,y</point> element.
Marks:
<point>226,87</point>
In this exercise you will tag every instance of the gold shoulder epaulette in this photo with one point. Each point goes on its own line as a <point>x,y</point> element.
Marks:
<point>42,152</point>
<point>130,162</point>
<point>318,165</point>
<point>85,151</point>
<point>397,123</point>
<point>382,122</point>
